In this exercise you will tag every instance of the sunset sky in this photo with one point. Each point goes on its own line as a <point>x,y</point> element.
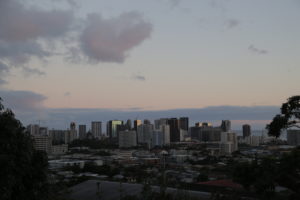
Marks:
<point>148,55</point>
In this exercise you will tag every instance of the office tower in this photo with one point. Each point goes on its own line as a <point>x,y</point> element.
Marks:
<point>128,124</point>
<point>82,131</point>
<point>159,122</point>
<point>136,123</point>
<point>165,129</point>
<point>228,143</point>
<point>144,134</point>
<point>205,132</point>
<point>147,121</point>
<point>43,131</point>
<point>226,125</point>
<point>112,130</point>
<point>42,143</point>
<point>184,123</point>
<point>72,133</point>
<point>127,138</point>
<point>33,129</point>
<point>58,136</point>
<point>203,124</point>
<point>246,130</point>
<point>293,137</point>
<point>174,129</point>
<point>96,128</point>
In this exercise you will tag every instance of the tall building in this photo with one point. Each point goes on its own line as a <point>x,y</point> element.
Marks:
<point>82,131</point>
<point>144,134</point>
<point>147,121</point>
<point>136,123</point>
<point>33,129</point>
<point>128,124</point>
<point>226,125</point>
<point>127,138</point>
<point>73,132</point>
<point>228,143</point>
<point>246,130</point>
<point>184,123</point>
<point>43,131</point>
<point>161,136</point>
<point>165,129</point>
<point>159,122</point>
<point>42,143</point>
<point>96,128</point>
<point>205,133</point>
<point>293,137</point>
<point>112,128</point>
<point>58,136</point>
<point>174,129</point>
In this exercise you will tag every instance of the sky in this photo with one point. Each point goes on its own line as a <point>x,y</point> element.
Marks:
<point>75,58</point>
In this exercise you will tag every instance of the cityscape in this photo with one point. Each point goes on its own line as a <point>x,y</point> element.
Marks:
<point>149,100</point>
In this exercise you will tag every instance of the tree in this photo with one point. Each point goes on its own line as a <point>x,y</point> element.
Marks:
<point>23,170</point>
<point>289,117</point>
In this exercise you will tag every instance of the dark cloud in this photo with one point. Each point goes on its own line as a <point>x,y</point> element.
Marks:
<point>257,116</point>
<point>232,23</point>
<point>253,49</point>
<point>24,30</point>
<point>110,40</point>
<point>139,77</point>
<point>20,101</point>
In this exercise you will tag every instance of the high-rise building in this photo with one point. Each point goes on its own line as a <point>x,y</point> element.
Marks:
<point>184,123</point>
<point>228,143</point>
<point>128,124</point>
<point>82,131</point>
<point>112,128</point>
<point>33,129</point>
<point>43,131</point>
<point>246,130</point>
<point>293,137</point>
<point>73,132</point>
<point>226,125</point>
<point>174,129</point>
<point>136,123</point>
<point>159,122</point>
<point>161,136</point>
<point>127,138</point>
<point>165,129</point>
<point>58,136</point>
<point>42,143</point>
<point>144,134</point>
<point>96,129</point>
<point>147,121</point>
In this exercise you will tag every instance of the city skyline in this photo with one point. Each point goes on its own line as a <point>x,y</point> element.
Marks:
<point>148,56</point>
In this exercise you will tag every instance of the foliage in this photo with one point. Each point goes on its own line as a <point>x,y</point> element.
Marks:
<point>289,117</point>
<point>270,172</point>
<point>23,170</point>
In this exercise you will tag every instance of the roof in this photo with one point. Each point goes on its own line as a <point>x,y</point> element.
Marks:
<point>222,183</point>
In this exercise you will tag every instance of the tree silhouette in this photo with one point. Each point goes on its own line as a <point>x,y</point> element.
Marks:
<point>23,170</point>
<point>289,117</point>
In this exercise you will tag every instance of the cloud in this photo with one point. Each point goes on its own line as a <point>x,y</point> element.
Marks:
<point>232,23</point>
<point>139,77</point>
<point>67,94</point>
<point>174,3</point>
<point>256,116</point>
<point>30,71</point>
<point>3,72</point>
<point>24,30</point>
<point>110,40</point>
<point>253,49</point>
<point>22,100</point>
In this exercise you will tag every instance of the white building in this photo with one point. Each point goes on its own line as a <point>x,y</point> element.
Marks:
<point>228,143</point>
<point>127,138</point>
<point>144,134</point>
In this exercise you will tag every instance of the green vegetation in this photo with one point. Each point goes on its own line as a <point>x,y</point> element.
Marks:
<point>289,117</point>
<point>23,170</point>
<point>262,176</point>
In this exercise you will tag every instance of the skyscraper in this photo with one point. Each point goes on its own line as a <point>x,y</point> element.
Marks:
<point>96,129</point>
<point>246,130</point>
<point>184,123</point>
<point>174,129</point>
<point>112,128</point>
<point>226,125</point>
<point>82,131</point>
<point>136,123</point>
